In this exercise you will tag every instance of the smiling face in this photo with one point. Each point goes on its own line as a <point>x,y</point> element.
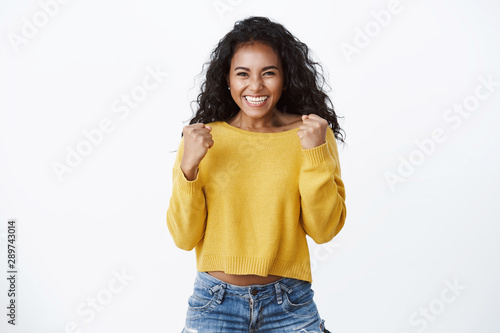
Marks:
<point>256,80</point>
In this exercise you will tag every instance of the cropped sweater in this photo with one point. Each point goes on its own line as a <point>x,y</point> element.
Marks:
<point>255,198</point>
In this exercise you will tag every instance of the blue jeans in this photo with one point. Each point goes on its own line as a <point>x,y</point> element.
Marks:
<point>286,305</point>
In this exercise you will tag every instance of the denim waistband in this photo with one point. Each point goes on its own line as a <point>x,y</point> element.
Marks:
<point>279,286</point>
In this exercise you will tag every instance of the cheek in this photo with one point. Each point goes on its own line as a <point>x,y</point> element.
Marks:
<point>237,89</point>
<point>235,86</point>
<point>277,91</point>
<point>235,95</point>
<point>276,86</point>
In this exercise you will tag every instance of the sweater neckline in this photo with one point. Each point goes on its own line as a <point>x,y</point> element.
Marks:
<point>262,134</point>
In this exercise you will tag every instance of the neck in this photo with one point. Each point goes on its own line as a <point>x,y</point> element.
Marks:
<point>273,119</point>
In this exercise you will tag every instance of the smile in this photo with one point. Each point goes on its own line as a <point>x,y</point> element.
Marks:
<point>256,101</point>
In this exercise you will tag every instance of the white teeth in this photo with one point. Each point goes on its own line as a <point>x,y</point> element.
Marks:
<point>256,100</point>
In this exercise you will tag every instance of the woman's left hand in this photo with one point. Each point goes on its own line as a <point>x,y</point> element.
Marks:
<point>312,132</point>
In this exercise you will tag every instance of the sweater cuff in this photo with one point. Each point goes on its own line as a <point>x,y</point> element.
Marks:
<point>187,186</point>
<point>316,155</point>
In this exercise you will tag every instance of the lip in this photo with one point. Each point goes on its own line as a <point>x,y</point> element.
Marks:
<point>256,105</point>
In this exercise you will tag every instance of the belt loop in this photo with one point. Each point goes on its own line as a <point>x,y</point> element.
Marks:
<point>220,289</point>
<point>285,288</point>
<point>278,293</point>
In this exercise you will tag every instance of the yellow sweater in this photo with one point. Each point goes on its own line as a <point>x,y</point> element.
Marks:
<point>255,198</point>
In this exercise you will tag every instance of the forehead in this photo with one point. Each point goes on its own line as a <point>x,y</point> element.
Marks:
<point>255,53</point>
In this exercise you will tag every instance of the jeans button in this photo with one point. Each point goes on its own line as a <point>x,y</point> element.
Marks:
<point>254,292</point>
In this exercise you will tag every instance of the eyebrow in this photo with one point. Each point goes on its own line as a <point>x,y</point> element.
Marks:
<point>247,69</point>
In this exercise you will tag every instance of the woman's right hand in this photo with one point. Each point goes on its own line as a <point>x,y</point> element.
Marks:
<point>197,142</point>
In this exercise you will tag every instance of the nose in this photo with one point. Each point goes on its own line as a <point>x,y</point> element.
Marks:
<point>255,83</point>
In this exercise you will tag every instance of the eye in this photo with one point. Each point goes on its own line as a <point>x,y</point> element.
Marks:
<point>270,73</point>
<point>242,74</point>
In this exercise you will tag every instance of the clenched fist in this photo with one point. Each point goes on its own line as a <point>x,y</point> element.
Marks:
<point>312,132</point>
<point>197,142</point>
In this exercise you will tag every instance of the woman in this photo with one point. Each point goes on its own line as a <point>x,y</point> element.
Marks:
<point>257,169</point>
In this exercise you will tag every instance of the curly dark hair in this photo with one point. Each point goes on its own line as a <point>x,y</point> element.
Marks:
<point>303,78</point>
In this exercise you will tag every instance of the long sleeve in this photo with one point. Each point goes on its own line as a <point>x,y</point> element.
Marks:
<point>187,213</point>
<point>322,192</point>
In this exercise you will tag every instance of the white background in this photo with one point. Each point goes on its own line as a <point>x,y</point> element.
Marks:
<point>401,247</point>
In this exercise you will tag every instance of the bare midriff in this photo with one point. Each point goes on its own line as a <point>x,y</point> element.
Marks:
<point>244,280</point>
